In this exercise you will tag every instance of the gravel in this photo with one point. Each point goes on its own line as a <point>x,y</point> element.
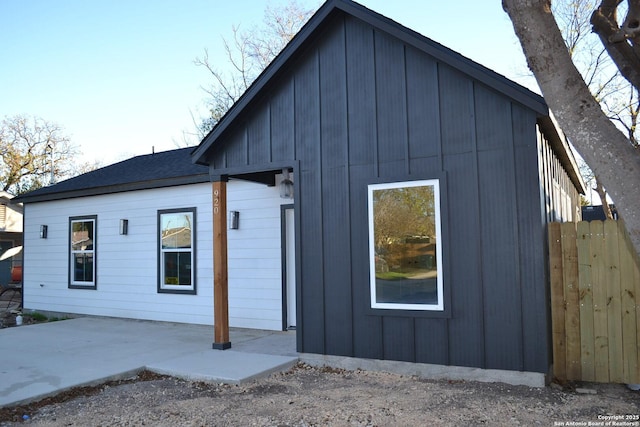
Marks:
<point>308,396</point>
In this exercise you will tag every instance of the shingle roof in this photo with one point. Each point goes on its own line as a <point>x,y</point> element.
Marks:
<point>167,168</point>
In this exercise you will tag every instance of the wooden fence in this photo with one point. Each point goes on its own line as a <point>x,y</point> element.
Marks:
<point>595,291</point>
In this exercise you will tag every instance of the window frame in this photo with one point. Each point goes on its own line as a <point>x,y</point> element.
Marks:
<point>177,289</point>
<point>72,283</point>
<point>441,307</point>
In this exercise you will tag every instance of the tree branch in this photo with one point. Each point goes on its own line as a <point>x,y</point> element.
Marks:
<point>621,52</point>
<point>605,148</point>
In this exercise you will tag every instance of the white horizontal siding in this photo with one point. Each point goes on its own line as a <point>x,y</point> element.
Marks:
<point>127,265</point>
<point>255,264</point>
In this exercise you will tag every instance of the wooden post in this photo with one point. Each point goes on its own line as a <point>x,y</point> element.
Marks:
<point>220,273</point>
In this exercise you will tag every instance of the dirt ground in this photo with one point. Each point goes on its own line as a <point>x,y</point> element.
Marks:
<point>307,396</point>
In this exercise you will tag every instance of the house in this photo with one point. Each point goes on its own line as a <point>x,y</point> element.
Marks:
<point>10,237</point>
<point>369,116</point>
<point>596,212</point>
<point>422,184</point>
<point>133,240</point>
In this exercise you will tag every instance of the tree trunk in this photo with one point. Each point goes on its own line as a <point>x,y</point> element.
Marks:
<point>606,150</point>
<point>603,199</point>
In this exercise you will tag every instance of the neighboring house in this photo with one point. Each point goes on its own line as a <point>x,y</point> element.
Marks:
<point>10,235</point>
<point>596,213</point>
<point>423,183</point>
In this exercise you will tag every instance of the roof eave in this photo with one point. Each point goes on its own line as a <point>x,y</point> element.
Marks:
<point>561,147</point>
<point>113,189</point>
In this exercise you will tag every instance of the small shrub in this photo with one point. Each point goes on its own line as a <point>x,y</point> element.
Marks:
<point>39,317</point>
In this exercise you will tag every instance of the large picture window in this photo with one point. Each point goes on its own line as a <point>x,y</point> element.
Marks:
<point>82,244</point>
<point>176,241</point>
<point>405,247</point>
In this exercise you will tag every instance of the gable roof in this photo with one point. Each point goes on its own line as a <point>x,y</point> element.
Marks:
<point>382,23</point>
<point>157,170</point>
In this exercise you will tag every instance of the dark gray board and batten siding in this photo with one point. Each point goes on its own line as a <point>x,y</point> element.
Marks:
<point>358,105</point>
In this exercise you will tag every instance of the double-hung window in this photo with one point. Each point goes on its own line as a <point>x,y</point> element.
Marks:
<point>176,250</point>
<point>405,246</point>
<point>82,252</point>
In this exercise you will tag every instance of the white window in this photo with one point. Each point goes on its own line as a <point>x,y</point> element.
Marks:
<point>176,250</point>
<point>82,244</point>
<point>405,248</point>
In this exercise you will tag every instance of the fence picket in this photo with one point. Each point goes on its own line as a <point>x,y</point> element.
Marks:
<point>587,352</point>
<point>600,328</point>
<point>636,280</point>
<point>557,301</point>
<point>614,312</point>
<point>571,300</point>
<point>628,306</point>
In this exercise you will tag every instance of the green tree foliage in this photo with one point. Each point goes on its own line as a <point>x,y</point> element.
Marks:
<point>400,213</point>
<point>32,151</point>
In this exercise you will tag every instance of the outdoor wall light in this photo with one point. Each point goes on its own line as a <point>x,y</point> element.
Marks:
<point>234,220</point>
<point>124,227</point>
<point>43,231</point>
<point>286,185</point>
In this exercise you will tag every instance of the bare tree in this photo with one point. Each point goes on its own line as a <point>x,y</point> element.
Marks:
<point>248,53</point>
<point>85,167</point>
<point>617,97</point>
<point>33,153</point>
<point>607,150</point>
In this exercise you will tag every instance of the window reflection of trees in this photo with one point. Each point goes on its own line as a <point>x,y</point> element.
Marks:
<point>405,230</point>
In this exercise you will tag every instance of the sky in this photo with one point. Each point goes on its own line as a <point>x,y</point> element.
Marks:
<point>119,75</point>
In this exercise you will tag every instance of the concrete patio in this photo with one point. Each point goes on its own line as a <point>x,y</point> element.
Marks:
<point>44,359</point>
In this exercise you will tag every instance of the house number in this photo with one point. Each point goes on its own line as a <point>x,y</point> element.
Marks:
<point>216,201</point>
